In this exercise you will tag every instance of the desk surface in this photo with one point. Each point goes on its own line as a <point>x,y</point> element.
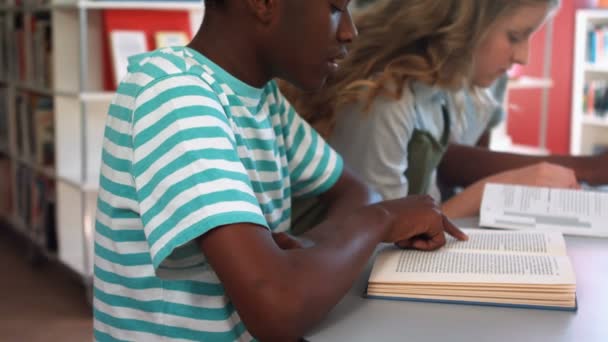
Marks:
<point>360,319</point>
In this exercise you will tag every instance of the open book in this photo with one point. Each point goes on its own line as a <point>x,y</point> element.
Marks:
<point>521,269</point>
<point>572,212</point>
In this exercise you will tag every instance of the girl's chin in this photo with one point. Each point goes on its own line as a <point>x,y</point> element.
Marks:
<point>485,83</point>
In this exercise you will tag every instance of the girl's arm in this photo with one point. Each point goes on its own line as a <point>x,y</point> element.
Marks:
<point>468,202</point>
<point>464,165</point>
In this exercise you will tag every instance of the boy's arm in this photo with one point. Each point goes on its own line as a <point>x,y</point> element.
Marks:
<point>280,293</point>
<point>348,194</point>
<point>463,165</point>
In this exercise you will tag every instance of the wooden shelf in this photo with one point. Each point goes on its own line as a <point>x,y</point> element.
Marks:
<point>34,9</point>
<point>4,149</point>
<point>46,171</point>
<point>102,96</point>
<point>594,15</point>
<point>43,90</point>
<point>148,5</point>
<point>8,8</point>
<point>76,183</point>
<point>88,96</point>
<point>595,121</point>
<point>596,68</point>
<point>19,227</point>
<point>527,82</point>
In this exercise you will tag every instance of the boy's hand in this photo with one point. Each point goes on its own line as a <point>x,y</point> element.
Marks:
<point>417,222</point>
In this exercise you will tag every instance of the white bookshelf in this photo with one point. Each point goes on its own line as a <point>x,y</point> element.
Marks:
<point>80,106</point>
<point>587,130</point>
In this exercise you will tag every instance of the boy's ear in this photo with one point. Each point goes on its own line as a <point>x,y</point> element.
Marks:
<point>264,10</point>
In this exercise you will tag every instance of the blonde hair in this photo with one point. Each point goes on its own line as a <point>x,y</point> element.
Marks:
<point>431,41</point>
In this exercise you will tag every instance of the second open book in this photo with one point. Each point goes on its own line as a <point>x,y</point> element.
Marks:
<point>523,269</point>
<point>571,212</point>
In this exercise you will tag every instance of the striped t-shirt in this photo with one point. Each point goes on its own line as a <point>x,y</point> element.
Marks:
<point>188,148</point>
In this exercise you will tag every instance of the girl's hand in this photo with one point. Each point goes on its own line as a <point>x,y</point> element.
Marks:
<point>541,174</point>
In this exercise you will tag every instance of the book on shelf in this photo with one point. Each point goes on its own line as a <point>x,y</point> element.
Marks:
<point>44,130</point>
<point>40,68</point>
<point>35,134</point>
<point>597,44</point>
<point>595,98</point>
<point>35,204</point>
<point>50,227</point>
<point>599,148</point>
<point>4,122</point>
<point>37,209</point>
<point>124,45</point>
<point>22,132</point>
<point>23,190</point>
<point>5,48</point>
<point>171,38</point>
<point>572,212</point>
<point>42,218</point>
<point>6,190</point>
<point>496,268</point>
<point>19,56</point>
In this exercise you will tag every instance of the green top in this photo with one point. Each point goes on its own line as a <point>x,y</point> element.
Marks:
<point>424,153</point>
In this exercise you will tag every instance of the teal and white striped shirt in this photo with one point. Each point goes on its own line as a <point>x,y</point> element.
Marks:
<point>188,148</point>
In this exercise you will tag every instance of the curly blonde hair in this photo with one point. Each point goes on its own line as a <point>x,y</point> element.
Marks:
<point>431,41</point>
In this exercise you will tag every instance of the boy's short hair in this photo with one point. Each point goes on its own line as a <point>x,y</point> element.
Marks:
<point>215,3</point>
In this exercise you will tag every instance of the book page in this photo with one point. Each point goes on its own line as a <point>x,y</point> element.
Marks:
<point>576,212</point>
<point>509,242</point>
<point>394,265</point>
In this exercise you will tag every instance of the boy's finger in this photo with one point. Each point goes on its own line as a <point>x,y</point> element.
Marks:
<point>451,229</point>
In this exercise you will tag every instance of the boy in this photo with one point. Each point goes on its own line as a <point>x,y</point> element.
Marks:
<point>201,158</point>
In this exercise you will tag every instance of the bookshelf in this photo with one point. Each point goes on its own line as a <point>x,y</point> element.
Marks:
<point>589,124</point>
<point>53,107</point>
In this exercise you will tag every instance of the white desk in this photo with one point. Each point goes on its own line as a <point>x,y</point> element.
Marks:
<point>360,319</point>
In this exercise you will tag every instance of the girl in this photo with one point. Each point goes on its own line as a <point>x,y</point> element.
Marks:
<point>200,159</point>
<point>403,92</point>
